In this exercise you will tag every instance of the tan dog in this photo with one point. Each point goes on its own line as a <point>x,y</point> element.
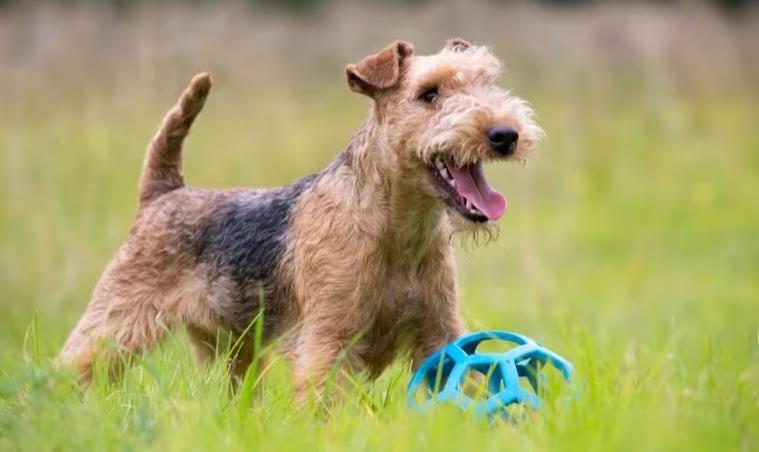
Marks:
<point>354,260</point>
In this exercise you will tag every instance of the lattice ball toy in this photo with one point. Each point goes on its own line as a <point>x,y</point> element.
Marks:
<point>441,377</point>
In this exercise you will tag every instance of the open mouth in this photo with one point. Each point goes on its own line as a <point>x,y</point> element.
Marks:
<point>466,191</point>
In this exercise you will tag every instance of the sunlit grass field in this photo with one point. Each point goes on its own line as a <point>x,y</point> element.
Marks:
<point>631,247</point>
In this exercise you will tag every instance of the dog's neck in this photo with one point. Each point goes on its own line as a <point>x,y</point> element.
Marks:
<point>408,219</point>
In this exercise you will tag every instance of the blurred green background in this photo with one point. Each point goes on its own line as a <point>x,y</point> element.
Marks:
<point>631,245</point>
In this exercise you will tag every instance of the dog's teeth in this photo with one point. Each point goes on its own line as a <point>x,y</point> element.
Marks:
<point>444,173</point>
<point>439,163</point>
<point>470,207</point>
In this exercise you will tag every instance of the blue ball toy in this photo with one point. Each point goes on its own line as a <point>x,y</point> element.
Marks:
<point>440,378</point>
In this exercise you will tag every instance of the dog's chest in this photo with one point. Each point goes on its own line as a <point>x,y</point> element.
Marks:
<point>401,298</point>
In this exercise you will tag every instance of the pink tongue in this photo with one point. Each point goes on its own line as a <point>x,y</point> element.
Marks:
<point>471,184</point>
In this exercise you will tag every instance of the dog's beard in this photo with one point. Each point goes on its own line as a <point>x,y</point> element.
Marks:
<point>467,234</point>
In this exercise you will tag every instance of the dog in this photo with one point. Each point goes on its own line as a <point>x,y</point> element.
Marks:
<point>353,263</point>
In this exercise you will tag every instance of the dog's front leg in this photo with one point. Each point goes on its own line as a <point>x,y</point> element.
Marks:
<point>320,356</point>
<point>440,321</point>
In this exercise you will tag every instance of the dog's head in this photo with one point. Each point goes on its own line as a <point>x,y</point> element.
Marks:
<point>443,116</point>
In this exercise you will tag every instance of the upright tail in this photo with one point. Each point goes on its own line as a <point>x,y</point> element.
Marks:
<point>162,168</point>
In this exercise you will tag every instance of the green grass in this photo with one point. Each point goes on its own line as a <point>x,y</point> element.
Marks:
<point>631,247</point>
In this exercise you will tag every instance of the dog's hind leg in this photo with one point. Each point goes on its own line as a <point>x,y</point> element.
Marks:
<point>203,344</point>
<point>112,334</point>
<point>123,317</point>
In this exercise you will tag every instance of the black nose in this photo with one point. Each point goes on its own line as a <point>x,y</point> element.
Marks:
<point>503,139</point>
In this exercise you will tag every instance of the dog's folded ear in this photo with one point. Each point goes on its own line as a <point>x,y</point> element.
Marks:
<point>457,45</point>
<point>379,71</point>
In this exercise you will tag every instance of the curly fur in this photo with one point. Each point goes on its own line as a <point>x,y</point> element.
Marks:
<point>355,262</point>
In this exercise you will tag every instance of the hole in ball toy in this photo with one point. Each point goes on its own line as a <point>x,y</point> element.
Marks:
<point>495,346</point>
<point>437,377</point>
<point>524,382</point>
<point>476,380</point>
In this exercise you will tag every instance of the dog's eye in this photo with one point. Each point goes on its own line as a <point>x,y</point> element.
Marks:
<point>429,96</point>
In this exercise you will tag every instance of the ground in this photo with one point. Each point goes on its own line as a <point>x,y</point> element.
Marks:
<point>630,247</point>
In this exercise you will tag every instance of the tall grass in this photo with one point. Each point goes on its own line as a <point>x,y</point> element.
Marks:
<point>630,246</point>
